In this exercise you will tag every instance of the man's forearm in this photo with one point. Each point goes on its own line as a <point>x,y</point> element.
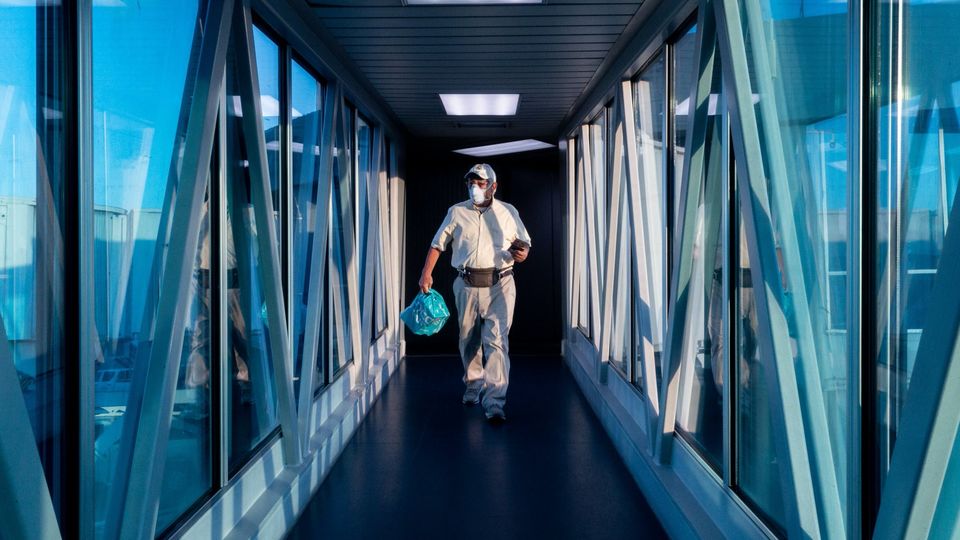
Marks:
<point>426,275</point>
<point>433,254</point>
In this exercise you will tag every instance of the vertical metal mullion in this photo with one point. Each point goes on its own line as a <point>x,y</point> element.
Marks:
<point>286,194</point>
<point>863,494</point>
<point>690,189</point>
<point>79,249</point>
<point>731,265</point>
<point>569,226</point>
<point>667,171</point>
<point>222,353</point>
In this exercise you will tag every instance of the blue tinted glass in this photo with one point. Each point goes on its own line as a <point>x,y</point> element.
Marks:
<point>703,355</point>
<point>684,74</point>
<point>306,118</point>
<point>758,467</point>
<point>141,67</point>
<point>621,330</point>
<point>267,54</point>
<point>341,348</point>
<point>649,109</point>
<point>32,183</point>
<point>250,392</point>
<point>364,136</point>
<point>917,168</point>
<point>798,57</point>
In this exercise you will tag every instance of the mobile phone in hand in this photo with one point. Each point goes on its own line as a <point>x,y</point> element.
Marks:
<point>518,245</point>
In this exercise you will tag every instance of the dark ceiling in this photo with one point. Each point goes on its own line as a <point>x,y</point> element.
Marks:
<point>547,53</point>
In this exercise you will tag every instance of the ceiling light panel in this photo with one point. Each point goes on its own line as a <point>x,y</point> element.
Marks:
<point>512,147</point>
<point>480,104</point>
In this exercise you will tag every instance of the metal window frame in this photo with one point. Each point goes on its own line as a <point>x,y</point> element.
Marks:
<point>133,505</point>
<point>384,244</point>
<point>316,291</point>
<point>641,277</point>
<point>569,221</point>
<point>612,254</point>
<point>82,245</point>
<point>271,273</point>
<point>218,194</point>
<point>691,182</point>
<point>590,225</point>
<point>651,179</point>
<point>369,224</point>
<point>579,238</point>
<point>351,311</point>
<point>394,300</point>
<point>808,475</point>
<point>141,473</point>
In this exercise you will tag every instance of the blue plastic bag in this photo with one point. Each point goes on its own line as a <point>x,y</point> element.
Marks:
<point>426,314</point>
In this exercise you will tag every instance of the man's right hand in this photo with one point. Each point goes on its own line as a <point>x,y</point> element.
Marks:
<point>426,282</point>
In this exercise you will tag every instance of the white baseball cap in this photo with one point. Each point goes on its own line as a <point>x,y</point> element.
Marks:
<point>483,171</point>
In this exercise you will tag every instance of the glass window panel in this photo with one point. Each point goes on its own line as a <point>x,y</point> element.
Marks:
<point>365,234</point>
<point>621,331</point>
<point>339,342</point>
<point>684,74</point>
<point>917,168</point>
<point>702,355</point>
<point>268,77</point>
<point>583,271</point>
<point>250,392</point>
<point>838,301</point>
<point>142,62</point>
<point>306,121</point>
<point>798,59</point>
<point>598,161</point>
<point>649,106</point>
<point>384,235</point>
<point>187,468</point>
<point>758,468</point>
<point>32,183</point>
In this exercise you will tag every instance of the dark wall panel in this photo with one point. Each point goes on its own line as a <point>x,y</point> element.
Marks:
<point>531,182</point>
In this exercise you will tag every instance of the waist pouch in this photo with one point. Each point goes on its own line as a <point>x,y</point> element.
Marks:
<point>483,277</point>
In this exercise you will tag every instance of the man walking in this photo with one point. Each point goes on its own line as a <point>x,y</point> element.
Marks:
<point>487,237</point>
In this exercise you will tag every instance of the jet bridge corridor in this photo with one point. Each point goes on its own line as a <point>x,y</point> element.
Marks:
<point>710,250</point>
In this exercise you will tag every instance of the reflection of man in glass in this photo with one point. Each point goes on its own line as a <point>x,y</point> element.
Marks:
<point>759,470</point>
<point>198,373</point>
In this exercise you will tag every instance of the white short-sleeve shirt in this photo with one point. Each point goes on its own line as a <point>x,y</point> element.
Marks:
<point>480,237</point>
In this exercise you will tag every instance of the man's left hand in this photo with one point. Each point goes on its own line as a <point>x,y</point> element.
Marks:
<point>520,255</point>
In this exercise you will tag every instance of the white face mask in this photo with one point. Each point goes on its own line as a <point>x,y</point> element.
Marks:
<point>477,195</point>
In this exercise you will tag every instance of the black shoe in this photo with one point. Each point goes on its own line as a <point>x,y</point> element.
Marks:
<point>495,414</point>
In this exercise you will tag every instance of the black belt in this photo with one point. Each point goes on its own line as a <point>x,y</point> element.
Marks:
<point>483,277</point>
<point>233,278</point>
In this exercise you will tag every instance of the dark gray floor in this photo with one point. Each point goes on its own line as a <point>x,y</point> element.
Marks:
<point>424,466</point>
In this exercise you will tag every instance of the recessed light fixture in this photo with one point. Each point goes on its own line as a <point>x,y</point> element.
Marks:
<point>467,2</point>
<point>512,147</point>
<point>480,104</point>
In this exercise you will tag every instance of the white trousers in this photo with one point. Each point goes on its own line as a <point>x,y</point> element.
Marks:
<point>485,315</point>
